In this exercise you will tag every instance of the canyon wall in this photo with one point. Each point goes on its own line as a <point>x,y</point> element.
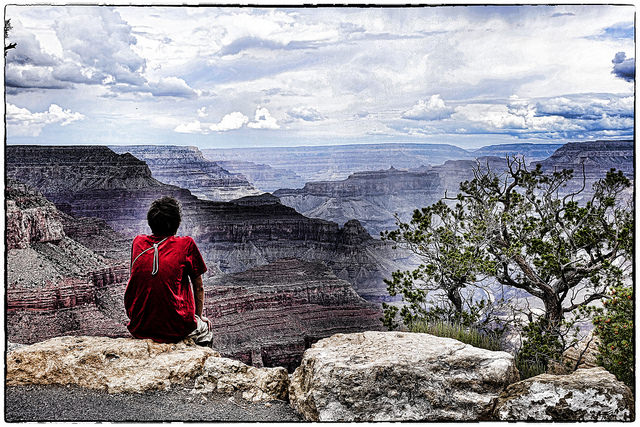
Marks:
<point>264,177</point>
<point>187,168</point>
<point>597,157</point>
<point>371,197</point>
<point>375,197</point>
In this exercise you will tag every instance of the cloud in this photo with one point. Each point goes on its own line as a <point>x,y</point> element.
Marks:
<point>306,114</point>
<point>231,121</point>
<point>624,68</point>
<point>21,121</point>
<point>28,49</point>
<point>557,15</point>
<point>191,127</point>
<point>247,43</point>
<point>31,78</point>
<point>202,112</point>
<point>585,107</point>
<point>72,73</point>
<point>263,120</point>
<point>618,31</point>
<point>171,86</point>
<point>433,109</point>
<point>98,38</point>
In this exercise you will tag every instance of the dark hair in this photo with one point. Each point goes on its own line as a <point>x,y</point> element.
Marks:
<point>164,216</point>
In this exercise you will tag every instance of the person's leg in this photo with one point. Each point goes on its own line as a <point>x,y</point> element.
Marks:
<point>201,335</point>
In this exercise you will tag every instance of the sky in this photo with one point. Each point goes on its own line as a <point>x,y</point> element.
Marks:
<point>219,77</point>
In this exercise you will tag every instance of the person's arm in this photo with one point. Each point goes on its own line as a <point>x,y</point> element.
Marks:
<point>198,294</point>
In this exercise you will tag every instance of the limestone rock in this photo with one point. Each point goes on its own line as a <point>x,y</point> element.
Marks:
<point>585,395</point>
<point>586,351</point>
<point>129,365</point>
<point>393,376</point>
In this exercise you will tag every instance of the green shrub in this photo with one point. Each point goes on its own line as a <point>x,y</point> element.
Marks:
<point>467,335</point>
<point>529,368</point>
<point>614,326</point>
<point>541,345</point>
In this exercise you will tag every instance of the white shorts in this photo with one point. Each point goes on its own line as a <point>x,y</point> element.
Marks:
<point>201,334</point>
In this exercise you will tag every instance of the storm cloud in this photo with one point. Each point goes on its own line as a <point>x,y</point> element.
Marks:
<point>623,67</point>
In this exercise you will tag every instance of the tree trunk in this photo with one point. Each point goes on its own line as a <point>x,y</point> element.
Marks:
<point>553,310</point>
<point>454,296</point>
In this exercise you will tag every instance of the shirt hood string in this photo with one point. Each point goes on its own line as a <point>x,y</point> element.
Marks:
<point>156,257</point>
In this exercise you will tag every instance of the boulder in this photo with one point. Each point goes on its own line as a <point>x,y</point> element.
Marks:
<point>129,365</point>
<point>585,395</point>
<point>394,376</point>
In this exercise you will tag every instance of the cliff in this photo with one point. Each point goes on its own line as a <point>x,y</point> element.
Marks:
<point>232,236</point>
<point>55,285</point>
<point>186,167</point>
<point>597,157</point>
<point>531,152</point>
<point>372,197</point>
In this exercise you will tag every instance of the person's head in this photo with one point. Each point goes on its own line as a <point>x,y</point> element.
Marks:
<point>164,216</point>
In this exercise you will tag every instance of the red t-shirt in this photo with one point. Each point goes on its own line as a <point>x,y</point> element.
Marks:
<point>161,306</point>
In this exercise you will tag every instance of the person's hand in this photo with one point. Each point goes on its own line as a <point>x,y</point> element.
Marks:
<point>207,321</point>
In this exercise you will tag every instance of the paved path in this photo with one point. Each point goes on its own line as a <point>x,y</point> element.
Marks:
<point>60,403</point>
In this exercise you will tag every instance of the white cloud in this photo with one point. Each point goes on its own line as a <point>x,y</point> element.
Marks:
<point>433,109</point>
<point>171,86</point>
<point>306,114</point>
<point>202,112</point>
<point>21,121</point>
<point>263,120</point>
<point>231,121</point>
<point>191,127</point>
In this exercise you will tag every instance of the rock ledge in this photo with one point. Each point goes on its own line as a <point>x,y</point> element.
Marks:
<point>130,365</point>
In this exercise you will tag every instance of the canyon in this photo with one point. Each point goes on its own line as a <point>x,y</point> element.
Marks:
<point>597,157</point>
<point>284,270</point>
<point>265,316</point>
<point>97,182</point>
<point>264,177</point>
<point>324,163</point>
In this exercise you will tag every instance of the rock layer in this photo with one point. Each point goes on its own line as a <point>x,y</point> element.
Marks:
<point>393,376</point>
<point>269,315</point>
<point>585,395</point>
<point>135,366</point>
<point>187,168</point>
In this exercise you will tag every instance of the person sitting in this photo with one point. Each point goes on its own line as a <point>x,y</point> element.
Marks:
<point>159,300</point>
